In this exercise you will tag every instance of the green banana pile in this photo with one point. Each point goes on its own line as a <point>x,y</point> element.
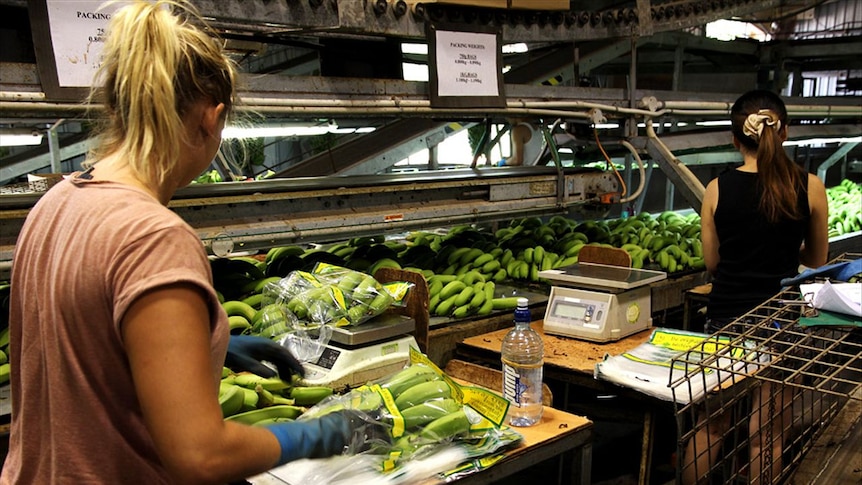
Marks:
<point>845,208</point>
<point>465,265</point>
<point>251,399</point>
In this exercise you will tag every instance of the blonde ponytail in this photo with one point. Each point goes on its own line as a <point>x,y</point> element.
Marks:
<point>156,65</point>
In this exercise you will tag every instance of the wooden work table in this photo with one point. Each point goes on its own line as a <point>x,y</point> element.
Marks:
<point>571,362</point>
<point>559,434</point>
<point>574,359</point>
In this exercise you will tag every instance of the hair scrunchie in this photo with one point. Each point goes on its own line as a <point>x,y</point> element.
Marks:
<point>753,126</point>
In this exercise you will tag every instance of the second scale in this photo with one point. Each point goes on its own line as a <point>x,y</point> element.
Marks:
<point>357,355</point>
<point>598,302</point>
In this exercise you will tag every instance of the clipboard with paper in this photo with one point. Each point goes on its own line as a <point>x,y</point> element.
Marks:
<point>837,304</point>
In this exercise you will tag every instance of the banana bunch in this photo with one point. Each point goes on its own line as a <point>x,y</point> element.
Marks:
<point>427,405</point>
<point>358,296</point>
<point>845,208</point>
<point>419,405</point>
<point>251,399</point>
<point>460,296</point>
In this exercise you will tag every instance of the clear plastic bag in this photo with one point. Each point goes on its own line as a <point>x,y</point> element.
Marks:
<point>423,413</point>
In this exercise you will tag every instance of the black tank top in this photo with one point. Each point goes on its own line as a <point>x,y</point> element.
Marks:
<point>754,255</point>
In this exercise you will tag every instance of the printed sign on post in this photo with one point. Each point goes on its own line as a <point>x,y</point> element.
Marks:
<point>465,68</point>
<point>68,36</point>
<point>77,34</point>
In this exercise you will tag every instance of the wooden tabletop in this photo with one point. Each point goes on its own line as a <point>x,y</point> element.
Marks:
<point>557,433</point>
<point>565,352</point>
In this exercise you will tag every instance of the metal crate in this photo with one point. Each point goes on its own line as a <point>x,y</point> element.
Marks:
<point>789,382</point>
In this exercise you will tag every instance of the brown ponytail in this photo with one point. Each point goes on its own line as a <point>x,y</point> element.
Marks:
<point>759,123</point>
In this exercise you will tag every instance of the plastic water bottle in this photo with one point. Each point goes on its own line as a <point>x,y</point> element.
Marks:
<point>523,356</point>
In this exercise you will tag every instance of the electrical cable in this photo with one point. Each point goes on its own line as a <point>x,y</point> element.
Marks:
<point>610,163</point>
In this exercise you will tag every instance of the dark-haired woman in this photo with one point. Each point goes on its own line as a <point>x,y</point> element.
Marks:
<point>759,223</point>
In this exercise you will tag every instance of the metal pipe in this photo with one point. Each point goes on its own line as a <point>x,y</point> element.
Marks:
<point>641,172</point>
<point>54,147</point>
<point>35,102</point>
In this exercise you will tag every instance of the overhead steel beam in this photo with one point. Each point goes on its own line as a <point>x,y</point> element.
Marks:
<point>683,180</point>
<point>382,144</point>
<point>38,162</point>
<point>840,153</point>
<point>351,17</point>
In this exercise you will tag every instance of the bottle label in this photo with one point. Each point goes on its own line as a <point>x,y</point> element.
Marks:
<point>514,387</point>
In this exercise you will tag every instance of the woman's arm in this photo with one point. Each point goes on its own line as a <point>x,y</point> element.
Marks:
<point>815,248</point>
<point>708,233</point>
<point>167,338</point>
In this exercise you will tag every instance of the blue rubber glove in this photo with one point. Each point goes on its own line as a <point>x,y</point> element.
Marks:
<point>347,431</point>
<point>245,353</point>
<point>314,438</point>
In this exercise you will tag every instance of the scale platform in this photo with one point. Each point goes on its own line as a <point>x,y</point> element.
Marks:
<point>602,276</point>
<point>364,353</point>
<point>598,302</point>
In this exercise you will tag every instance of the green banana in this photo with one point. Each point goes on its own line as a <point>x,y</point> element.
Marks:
<point>255,301</point>
<point>446,427</point>
<point>464,296</point>
<point>250,381</point>
<point>508,303</point>
<point>424,413</point>
<point>236,307</point>
<point>256,415</point>
<point>309,395</point>
<point>468,257</point>
<point>486,308</point>
<point>456,255</point>
<point>230,399</point>
<point>462,311</point>
<point>425,391</point>
<point>482,259</point>
<point>282,251</point>
<point>409,377</point>
<point>250,398</point>
<point>479,295</point>
<point>445,307</point>
<point>238,324</point>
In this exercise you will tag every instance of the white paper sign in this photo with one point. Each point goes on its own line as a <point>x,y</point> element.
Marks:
<point>466,64</point>
<point>77,35</point>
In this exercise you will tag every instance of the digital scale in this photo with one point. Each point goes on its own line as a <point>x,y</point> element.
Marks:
<point>598,302</point>
<point>358,354</point>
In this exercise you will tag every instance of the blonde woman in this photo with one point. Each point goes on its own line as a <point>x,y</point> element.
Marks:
<point>117,336</point>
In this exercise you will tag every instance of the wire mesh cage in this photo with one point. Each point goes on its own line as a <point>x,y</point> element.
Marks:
<point>759,392</point>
